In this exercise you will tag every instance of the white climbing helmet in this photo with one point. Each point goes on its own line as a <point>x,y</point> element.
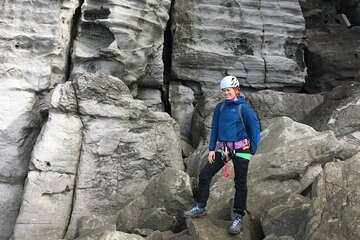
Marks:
<point>229,82</point>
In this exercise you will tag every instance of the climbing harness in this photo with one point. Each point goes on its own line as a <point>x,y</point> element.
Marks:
<point>225,151</point>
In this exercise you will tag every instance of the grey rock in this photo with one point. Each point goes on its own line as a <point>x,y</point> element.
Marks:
<point>254,43</point>
<point>161,204</point>
<point>15,139</point>
<point>181,99</point>
<point>111,235</point>
<point>285,215</point>
<point>46,208</point>
<point>64,98</point>
<point>121,151</point>
<point>202,118</point>
<point>107,96</point>
<point>340,111</point>
<point>10,200</point>
<point>210,228</point>
<point>152,98</point>
<point>59,143</point>
<point>34,53</point>
<point>334,212</point>
<point>287,152</point>
<point>332,58</point>
<point>269,104</point>
<point>122,39</point>
<point>89,225</point>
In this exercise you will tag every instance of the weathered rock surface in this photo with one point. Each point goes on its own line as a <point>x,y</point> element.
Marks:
<point>332,49</point>
<point>259,42</point>
<point>46,206</point>
<point>271,104</point>
<point>152,98</point>
<point>58,145</point>
<point>34,46</point>
<point>118,162</point>
<point>10,201</point>
<point>339,113</point>
<point>161,204</point>
<point>181,99</point>
<point>123,39</point>
<point>335,213</point>
<point>286,216</point>
<point>35,39</point>
<point>47,200</point>
<point>209,228</point>
<point>111,235</point>
<point>287,152</point>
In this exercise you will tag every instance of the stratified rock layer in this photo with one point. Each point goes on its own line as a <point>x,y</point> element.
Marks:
<point>257,41</point>
<point>123,39</point>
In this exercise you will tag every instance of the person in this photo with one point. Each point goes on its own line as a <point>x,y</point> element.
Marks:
<point>238,137</point>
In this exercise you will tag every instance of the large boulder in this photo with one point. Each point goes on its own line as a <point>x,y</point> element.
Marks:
<point>285,161</point>
<point>270,104</point>
<point>258,42</point>
<point>48,192</point>
<point>286,217</point>
<point>161,204</point>
<point>111,234</point>
<point>335,212</point>
<point>125,145</point>
<point>340,111</point>
<point>46,207</point>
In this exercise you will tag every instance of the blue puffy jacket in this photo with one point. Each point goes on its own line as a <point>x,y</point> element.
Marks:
<point>227,125</point>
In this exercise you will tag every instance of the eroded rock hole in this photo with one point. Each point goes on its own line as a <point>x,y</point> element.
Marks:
<point>94,14</point>
<point>95,35</point>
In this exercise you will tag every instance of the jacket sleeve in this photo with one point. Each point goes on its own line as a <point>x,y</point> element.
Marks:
<point>252,127</point>
<point>214,127</point>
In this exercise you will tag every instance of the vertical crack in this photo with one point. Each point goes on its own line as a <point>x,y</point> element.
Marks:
<point>73,35</point>
<point>166,56</point>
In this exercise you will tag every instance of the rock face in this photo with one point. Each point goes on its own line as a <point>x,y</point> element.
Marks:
<point>117,162</point>
<point>332,49</point>
<point>258,42</point>
<point>284,161</point>
<point>335,211</point>
<point>160,206</point>
<point>34,45</point>
<point>84,86</point>
<point>123,39</point>
<point>271,104</point>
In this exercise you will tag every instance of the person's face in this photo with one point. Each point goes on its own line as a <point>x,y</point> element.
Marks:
<point>229,93</point>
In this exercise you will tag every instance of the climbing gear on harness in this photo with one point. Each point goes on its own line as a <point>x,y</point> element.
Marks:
<point>225,159</point>
<point>229,82</point>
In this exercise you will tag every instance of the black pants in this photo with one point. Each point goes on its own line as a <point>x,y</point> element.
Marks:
<point>240,169</point>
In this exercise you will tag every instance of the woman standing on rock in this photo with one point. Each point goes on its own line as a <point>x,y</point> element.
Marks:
<point>236,127</point>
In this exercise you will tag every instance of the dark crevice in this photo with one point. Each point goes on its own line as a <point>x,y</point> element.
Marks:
<point>73,35</point>
<point>166,57</point>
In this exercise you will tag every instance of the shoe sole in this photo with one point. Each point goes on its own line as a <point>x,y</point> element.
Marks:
<point>199,215</point>
<point>234,233</point>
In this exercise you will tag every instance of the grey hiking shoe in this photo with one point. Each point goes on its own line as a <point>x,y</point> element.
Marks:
<point>195,211</point>
<point>236,224</point>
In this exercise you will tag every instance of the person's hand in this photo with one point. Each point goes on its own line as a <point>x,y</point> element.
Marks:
<point>211,157</point>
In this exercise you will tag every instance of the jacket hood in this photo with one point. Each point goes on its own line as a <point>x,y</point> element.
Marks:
<point>237,101</point>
